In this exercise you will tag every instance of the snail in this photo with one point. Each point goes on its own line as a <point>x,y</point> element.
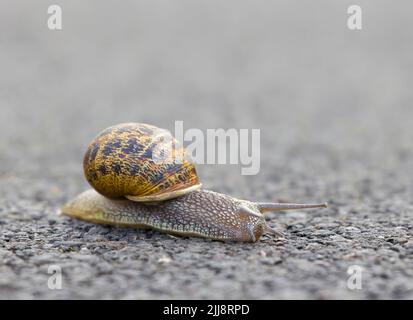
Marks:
<point>132,188</point>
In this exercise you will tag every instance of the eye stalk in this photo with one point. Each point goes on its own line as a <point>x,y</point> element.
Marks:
<point>254,212</point>
<point>265,207</point>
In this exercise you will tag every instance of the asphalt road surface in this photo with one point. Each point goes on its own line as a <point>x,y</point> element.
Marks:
<point>334,109</point>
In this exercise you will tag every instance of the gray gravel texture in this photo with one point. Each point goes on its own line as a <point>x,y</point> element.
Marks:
<point>334,108</point>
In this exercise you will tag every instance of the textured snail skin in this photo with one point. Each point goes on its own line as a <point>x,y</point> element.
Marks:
<point>201,213</point>
<point>122,162</point>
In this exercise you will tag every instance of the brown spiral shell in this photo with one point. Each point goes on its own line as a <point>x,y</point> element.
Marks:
<point>140,162</point>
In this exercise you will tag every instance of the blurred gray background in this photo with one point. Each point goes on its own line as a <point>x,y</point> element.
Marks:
<point>334,108</point>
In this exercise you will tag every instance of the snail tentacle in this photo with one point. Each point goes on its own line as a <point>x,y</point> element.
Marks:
<point>268,206</point>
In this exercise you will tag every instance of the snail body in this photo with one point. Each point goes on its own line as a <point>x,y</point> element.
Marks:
<point>200,213</point>
<point>171,200</point>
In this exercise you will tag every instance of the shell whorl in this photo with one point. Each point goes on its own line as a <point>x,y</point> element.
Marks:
<point>138,161</point>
